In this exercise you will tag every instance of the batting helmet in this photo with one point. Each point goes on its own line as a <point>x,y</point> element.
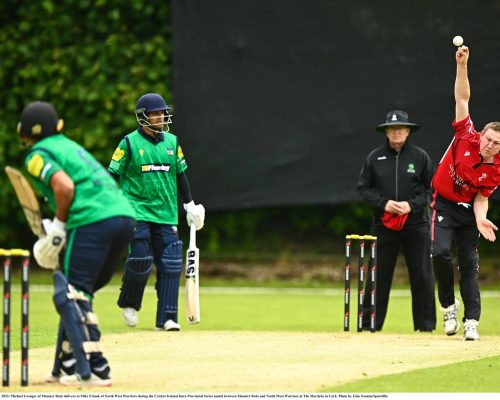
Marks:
<point>148,103</point>
<point>38,120</point>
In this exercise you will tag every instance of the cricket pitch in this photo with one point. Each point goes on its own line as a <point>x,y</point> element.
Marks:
<point>235,362</point>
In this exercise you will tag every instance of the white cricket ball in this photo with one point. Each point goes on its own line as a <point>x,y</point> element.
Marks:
<point>458,41</point>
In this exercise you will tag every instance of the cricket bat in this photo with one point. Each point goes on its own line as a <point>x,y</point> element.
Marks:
<point>192,279</point>
<point>28,200</point>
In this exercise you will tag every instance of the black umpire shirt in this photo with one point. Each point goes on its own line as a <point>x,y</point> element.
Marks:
<point>404,176</point>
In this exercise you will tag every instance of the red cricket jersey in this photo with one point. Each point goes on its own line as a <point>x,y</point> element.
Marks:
<point>461,173</point>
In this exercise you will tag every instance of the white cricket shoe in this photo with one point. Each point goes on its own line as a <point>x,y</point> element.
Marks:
<point>450,316</point>
<point>49,378</point>
<point>470,329</point>
<point>76,380</point>
<point>130,316</point>
<point>171,325</point>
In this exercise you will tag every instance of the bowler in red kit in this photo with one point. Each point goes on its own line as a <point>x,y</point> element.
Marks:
<point>467,175</point>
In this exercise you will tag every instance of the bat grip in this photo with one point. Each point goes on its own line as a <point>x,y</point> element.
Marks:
<point>192,235</point>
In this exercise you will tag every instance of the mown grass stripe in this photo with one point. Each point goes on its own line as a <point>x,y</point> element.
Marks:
<point>259,290</point>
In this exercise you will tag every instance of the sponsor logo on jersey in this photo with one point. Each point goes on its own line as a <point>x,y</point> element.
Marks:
<point>467,153</point>
<point>484,175</point>
<point>155,167</point>
<point>118,154</point>
<point>35,165</point>
<point>411,168</point>
<point>440,218</point>
<point>381,158</point>
<point>459,184</point>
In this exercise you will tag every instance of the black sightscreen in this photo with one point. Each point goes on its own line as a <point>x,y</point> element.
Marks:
<point>276,101</point>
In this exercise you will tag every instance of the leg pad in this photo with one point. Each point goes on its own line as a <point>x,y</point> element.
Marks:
<point>73,322</point>
<point>167,283</point>
<point>135,277</point>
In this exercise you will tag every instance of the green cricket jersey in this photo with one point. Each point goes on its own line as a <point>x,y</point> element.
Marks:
<point>148,170</point>
<point>97,196</point>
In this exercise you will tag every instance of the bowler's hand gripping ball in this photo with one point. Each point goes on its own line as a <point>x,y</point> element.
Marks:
<point>458,41</point>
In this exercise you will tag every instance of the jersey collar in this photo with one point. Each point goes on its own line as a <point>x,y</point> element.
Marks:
<point>155,140</point>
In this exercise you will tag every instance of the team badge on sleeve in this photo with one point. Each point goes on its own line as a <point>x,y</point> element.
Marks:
<point>180,154</point>
<point>118,154</point>
<point>35,165</point>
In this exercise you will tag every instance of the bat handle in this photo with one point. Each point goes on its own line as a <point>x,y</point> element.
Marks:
<point>192,236</point>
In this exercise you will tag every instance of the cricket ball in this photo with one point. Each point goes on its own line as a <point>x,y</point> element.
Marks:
<point>458,41</point>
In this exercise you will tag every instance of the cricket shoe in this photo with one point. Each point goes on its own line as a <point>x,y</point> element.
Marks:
<point>170,326</point>
<point>67,364</point>
<point>470,329</point>
<point>51,378</point>
<point>130,316</point>
<point>76,380</point>
<point>450,316</point>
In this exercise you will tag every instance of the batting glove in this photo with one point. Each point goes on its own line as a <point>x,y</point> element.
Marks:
<point>195,214</point>
<point>46,249</point>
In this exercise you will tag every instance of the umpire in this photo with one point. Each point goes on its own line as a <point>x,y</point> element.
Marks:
<point>395,181</point>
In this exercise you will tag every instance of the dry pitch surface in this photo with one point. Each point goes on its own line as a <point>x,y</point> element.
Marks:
<point>215,362</point>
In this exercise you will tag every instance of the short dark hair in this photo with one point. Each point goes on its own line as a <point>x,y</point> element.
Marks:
<point>492,125</point>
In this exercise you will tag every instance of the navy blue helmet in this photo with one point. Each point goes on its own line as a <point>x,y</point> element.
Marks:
<point>38,120</point>
<point>152,102</point>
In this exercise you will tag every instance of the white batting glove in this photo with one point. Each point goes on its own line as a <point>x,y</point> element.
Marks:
<point>46,222</point>
<point>46,249</point>
<point>195,214</point>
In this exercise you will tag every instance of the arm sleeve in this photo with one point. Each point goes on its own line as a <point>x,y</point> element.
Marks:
<point>181,160</point>
<point>464,128</point>
<point>421,198</point>
<point>488,191</point>
<point>40,166</point>
<point>183,187</point>
<point>119,160</point>
<point>366,187</point>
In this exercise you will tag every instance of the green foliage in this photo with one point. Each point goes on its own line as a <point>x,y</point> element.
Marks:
<point>92,60</point>
<point>298,229</point>
<point>310,229</point>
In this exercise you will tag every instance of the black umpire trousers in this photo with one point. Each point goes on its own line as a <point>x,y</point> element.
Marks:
<point>455,223</point>
<point>415,244</point>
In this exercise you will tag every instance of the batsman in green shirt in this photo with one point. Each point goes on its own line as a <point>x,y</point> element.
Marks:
<point>151,169</point>
<point>92,227</point>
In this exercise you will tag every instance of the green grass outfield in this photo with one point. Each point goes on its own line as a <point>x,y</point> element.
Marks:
<point>286,310</point>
